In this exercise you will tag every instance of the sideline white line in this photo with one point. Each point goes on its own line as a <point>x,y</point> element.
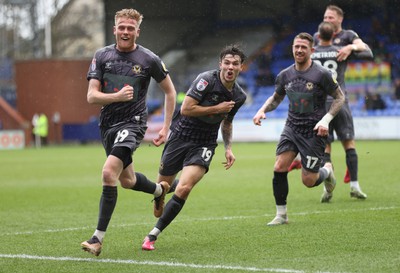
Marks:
<point>200,266</point>
<point>225,218</point>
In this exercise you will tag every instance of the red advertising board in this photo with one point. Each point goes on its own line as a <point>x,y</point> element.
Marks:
<point>12,139</point>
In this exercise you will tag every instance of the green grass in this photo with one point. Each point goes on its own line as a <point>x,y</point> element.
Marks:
<point>49,205</point>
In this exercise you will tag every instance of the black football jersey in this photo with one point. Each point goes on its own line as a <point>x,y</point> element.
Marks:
<point>116,69</point>
<point>208,90</point>
<point>327,57</point>
<point>307,92</point>
<point>343,38</point>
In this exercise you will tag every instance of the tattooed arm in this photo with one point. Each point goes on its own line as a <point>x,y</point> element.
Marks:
<point>270,104</point>
<point>337,102</point>
<point>226,130</point>
<point>322,127</point>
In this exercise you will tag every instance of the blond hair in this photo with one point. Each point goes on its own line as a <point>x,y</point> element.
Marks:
<point>129,13</point>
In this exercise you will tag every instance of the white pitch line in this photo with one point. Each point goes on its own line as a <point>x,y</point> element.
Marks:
<point>171,264</point>
<point>225,218</point>
<point>297,213</point>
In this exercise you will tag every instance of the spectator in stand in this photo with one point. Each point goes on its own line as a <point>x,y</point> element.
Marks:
<point>265,77</point>
<point>397,89</point>
<point>395,67</point>
<point>374,101</point>
<point>40,129</point>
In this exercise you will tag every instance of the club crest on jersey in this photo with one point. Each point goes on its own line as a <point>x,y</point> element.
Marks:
<point>309,85</point>
<point>136,69</point>
<point>336,41</point>
<point>201,85</point>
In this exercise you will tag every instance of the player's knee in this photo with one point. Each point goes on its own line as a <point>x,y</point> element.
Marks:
<point>108,177</point>
<point>280,168</point>
<point>183,191</point>
<point>308,181</point>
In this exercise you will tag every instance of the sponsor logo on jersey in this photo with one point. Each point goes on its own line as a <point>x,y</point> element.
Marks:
<point>93,65</point>
<point>309,85</point>
<point>215,97</point>
<point>201,85</point>
<point>136,69</point>
<point>108,66</point>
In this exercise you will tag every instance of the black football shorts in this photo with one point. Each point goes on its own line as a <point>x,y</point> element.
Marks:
<point>179,153</point>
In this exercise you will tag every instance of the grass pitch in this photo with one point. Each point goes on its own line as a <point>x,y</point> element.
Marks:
<point>49,204</point>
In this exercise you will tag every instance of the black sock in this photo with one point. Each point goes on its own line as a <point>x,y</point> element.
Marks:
<point>173,186</point>
<point>280,186</point>
<point>108,201</point>
<point>352,164</point>
<point>143,184</point>
<point>171,210</point>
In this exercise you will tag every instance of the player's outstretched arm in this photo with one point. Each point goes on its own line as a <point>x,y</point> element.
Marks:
<point>169,107</point>
<point>270,104</point>
<point>357,46</point>
<point>226,129</point>
<point>365,54</point>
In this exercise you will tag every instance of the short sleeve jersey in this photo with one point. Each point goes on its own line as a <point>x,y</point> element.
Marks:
<point>208,90</point>
<point>307,92</point>
<point>327,57</point>
<point>115,69</point>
